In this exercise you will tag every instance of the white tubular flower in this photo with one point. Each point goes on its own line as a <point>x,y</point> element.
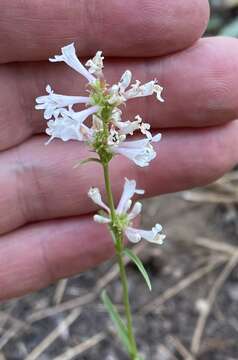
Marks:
<point>148,89</point>
<point>144,127</point>
<point>129,191</point>
<point>158,91</point>
<point>116,115</point>
<point>115,138</point>
<point>101,219</point>
<point>69,126</point>
<point>120,92</point>
<point>53,103</point>
<point>80,116</point>
<point>115,96</point>
<point>96,197</point>
<point>70,58</point>
<point>63,128</point>
<point>66,129</point>
<point>141,152</point>
<point>125,81</point>
<point>123,211</point>
<point>127,127</point>
<point>95,65</point>
<point>124,204</point>
<point>153,236</point>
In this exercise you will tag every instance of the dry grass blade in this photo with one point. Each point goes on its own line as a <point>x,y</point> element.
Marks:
<point>16,326</point>
<point>224,191</point>
<point>209,197</point>
<point>216,245</point>
<point>66,306</point>
<point>59,291</point>
<point>72,352</point>
<point>216,344</point>
<point>180,348</point>
<point>180,286</point>
<point>8,335</point>
<point>164,353</point>
<point>232,176</point>
<point>49,339</point>
<point>201,323</point>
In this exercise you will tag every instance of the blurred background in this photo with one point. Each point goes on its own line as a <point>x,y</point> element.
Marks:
<point>191,313</point>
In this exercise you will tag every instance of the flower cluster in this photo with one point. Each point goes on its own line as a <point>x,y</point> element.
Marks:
<point>109,134</point>
<point>126,213</point>
<point>67,124</point>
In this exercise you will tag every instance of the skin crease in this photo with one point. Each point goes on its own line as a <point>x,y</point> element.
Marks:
<point>45,225</point>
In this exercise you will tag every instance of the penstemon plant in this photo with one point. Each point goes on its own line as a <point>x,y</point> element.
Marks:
<point>108,137</point>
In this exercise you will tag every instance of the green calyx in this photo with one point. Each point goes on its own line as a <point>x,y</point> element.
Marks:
<point>101,147</point>
<point>99,96</point>
<point>120,222</point>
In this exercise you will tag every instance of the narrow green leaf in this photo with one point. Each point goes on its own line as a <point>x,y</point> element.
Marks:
<point>82,162</point>
<point>140,266</point>
<point>116,319</point>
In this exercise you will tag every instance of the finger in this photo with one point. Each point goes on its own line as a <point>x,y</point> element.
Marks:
<point>148,28</point>
<point>37,255</point>
<point>40,182</point>
<point>200,89</point>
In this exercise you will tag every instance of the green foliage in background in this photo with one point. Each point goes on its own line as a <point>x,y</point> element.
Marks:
<point>224,18</point>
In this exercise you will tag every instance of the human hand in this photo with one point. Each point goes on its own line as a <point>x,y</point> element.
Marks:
<point>46,226</point>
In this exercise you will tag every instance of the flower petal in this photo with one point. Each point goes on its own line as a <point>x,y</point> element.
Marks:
<point>141,156</point>
<point>53,101</point>
<point>138,90</point>
<point>125,80</point>
<point>96,64</point>
<point>127,127</point>
<point>128,191</point>
<point>156,138</point>
<point>132,235</point>
<point>80,116</point>
<point>135,211</point>
<point>101,219</point>
<point>147,89</point>
<point>63,128</point>
<point>152,236</point>
<point>158,90</point>
<point>95,196</point>
<point>141,152</point>
<point>70,58</point>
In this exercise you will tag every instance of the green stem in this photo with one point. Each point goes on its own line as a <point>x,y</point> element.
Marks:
<point>119,246</point>
<point>109,191</point>
<point>127,303</point>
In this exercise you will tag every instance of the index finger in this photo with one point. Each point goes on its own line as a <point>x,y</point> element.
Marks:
<point>34,30</point>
